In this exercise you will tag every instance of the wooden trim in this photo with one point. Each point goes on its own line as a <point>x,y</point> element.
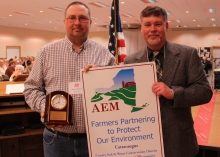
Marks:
<point>8,47</point>
<point>28,132</point>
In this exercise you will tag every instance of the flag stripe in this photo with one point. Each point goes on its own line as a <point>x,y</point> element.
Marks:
<point>121,43</point>
<point>122,50</point>
<point>120,35</point>
<point>121,58</point>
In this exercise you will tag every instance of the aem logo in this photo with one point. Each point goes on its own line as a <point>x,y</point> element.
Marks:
<point>103,107</point>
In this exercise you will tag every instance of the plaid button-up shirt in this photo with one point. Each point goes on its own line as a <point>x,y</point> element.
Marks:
<point>55,66</point>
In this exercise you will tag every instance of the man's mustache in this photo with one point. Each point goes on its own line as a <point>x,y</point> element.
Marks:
<point>155,34</point>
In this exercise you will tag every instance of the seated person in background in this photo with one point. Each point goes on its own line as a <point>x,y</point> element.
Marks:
<point>6,62</point>
<point>10,69</point>
<point>19,69</point>
<point>32,60</point>
<point>27,66</point>
<point>2,68</point>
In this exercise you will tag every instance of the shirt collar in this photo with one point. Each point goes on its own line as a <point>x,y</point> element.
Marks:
<point>70,45</point>
<point>151,51</point>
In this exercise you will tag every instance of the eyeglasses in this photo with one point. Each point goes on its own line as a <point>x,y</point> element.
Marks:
<point>81,19</point>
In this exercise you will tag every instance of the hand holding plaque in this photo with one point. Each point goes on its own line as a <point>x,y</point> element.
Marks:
<point>58,108</point>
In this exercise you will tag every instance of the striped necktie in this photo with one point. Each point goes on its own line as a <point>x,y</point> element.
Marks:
<point>158,66</point>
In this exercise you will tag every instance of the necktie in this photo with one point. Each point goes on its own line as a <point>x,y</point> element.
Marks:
<point>158,66</point>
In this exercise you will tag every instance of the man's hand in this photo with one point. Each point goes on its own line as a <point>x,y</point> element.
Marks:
<point>14,74</point>
<point>160,89</point>
<point>42,114</point>
<point>86,68</point>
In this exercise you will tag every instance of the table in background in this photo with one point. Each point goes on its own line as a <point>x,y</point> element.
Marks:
<point>29,143</point>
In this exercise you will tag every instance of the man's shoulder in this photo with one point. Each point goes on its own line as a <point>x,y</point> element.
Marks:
<point>94,43</point>
<point>139,52</point>
<point>97,47</point>
<point>135,55</point>
<point>51,47</point>
<point>179,46</point>
<point>54,43</point>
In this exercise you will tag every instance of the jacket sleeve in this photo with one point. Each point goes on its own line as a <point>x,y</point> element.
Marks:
<point>197,90</point>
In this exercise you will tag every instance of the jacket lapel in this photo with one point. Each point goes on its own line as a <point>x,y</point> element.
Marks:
<point>142,55</point>
<point>170,66</point>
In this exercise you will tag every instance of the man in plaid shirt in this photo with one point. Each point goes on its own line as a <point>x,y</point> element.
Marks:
<point>57,67</point>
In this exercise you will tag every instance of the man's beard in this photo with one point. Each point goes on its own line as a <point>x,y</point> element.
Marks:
<point>153,42</point>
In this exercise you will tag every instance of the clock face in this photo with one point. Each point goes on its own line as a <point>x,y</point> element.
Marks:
<point>58,102</point>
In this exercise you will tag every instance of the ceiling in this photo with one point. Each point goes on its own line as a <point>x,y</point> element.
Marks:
<point>52,20</point>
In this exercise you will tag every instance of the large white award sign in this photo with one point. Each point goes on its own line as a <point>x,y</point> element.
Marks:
<point>122,114</point>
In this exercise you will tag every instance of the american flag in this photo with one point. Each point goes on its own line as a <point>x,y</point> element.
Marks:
<point>116,43</point>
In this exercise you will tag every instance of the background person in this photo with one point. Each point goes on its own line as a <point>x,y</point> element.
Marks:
<point>207,65</point>
<point>19,69</point>
<point>27,66</point>
<point>2,68</point>
<point>56,66</point>
<point>6,62</point>
<point>10,69</point>
<point>183,83</point>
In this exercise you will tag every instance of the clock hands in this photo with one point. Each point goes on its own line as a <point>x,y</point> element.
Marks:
<point>59,101</point>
